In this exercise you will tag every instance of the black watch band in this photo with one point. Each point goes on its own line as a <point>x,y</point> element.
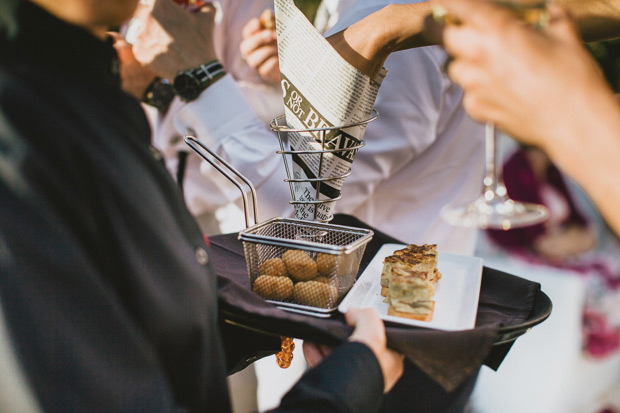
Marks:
<point>190,84</point>
<point>159,94</point>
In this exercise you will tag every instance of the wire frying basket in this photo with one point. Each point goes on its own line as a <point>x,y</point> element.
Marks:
<point>300,266</point>
<point>317,168</point>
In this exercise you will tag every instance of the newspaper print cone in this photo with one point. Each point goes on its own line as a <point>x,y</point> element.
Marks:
<point>323,95</point>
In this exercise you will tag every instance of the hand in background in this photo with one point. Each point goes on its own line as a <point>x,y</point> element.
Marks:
<point>543,88</point>
<point>172,39</point>
<point>315,353</point>
<point>260,50</point>
<point>528,82</point>
<point>367,43</point>
<point>135,78</point>
<point>369,329</point>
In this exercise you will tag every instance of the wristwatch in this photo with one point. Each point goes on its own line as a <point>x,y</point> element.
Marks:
<point>190,83</point>
<point>159,94</point>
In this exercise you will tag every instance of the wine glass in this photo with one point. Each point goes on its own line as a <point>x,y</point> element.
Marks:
<point>494,209</point>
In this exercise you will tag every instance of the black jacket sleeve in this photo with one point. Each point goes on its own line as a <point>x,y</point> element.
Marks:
<point>348,380</point>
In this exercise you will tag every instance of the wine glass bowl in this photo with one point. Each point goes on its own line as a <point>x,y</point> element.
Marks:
<point>498,213</point>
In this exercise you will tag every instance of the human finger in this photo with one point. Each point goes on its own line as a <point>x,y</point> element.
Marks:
<point>369,329</point>
<point>259,56</point>
<point>256,41</point>
<point>143,9</point>
<point>117,38</point>
<point>464,41</point>
<point>252,26</point>
<point>474,82</point>
<point>270,70</point>
<point>464,73</point>
<point>315,353</point>
<point>123,48</point>
<point>473,12</point>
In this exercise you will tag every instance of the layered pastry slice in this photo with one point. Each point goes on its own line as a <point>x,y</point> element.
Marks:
<point>408,281</point>
<point>411,297</point>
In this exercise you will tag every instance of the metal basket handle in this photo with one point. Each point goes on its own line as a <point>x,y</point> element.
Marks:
<point>229,172</point>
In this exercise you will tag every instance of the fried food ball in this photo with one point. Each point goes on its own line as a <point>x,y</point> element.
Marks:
<point>326,263</point>
<point>273,287</point>
<point>299,265</point>
<point>274,266</point>
<point>315,294</point>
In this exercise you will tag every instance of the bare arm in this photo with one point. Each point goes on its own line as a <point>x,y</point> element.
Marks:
<point>367,43</point>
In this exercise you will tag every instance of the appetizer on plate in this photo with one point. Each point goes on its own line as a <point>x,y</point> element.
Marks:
<point>408,281</point>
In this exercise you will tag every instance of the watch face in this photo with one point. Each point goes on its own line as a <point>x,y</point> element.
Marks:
<point>160,95</point>
<point>187,86</point>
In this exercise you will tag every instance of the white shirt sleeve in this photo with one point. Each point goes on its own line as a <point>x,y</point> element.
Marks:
<point>222,118</point>
<point>223,121</point>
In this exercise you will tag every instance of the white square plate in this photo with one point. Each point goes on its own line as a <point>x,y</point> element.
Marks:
<point>456,293</point>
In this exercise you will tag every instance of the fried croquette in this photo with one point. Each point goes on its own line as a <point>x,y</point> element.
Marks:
<point>274,266</point>
<point>315,294</point>
<point>326,264</point>
<point>299,265</point>
<point>273,287</point>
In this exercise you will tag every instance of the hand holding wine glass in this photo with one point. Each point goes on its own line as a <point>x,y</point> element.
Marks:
<point>494,209</point>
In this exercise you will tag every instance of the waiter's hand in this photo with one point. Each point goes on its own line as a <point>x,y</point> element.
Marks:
<point>172,39</point>
<point>260,50</point>
<point>369,329</point>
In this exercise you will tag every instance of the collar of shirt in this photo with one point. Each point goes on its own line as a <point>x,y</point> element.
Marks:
<point>42,39</point>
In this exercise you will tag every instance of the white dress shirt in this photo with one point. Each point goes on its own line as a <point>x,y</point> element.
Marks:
<point>222,118</point>
<point>422,153</point>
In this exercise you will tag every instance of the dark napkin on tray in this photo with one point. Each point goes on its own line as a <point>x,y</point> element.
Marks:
<point>448,357</point>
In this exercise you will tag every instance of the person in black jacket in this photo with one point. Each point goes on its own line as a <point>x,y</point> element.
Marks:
<point>111,306</point>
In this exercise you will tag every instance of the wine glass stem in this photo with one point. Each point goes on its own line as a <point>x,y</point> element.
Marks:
<point>493,183</point>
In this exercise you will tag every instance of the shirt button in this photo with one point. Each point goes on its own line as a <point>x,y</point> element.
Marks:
<point>201,256</point>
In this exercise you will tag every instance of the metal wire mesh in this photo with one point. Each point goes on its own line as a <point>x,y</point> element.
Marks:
<point>303,265</point>
<point>314,196</point>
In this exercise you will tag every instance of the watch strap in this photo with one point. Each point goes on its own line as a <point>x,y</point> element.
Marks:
<point>209,72</point>
<point>204,76</point>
